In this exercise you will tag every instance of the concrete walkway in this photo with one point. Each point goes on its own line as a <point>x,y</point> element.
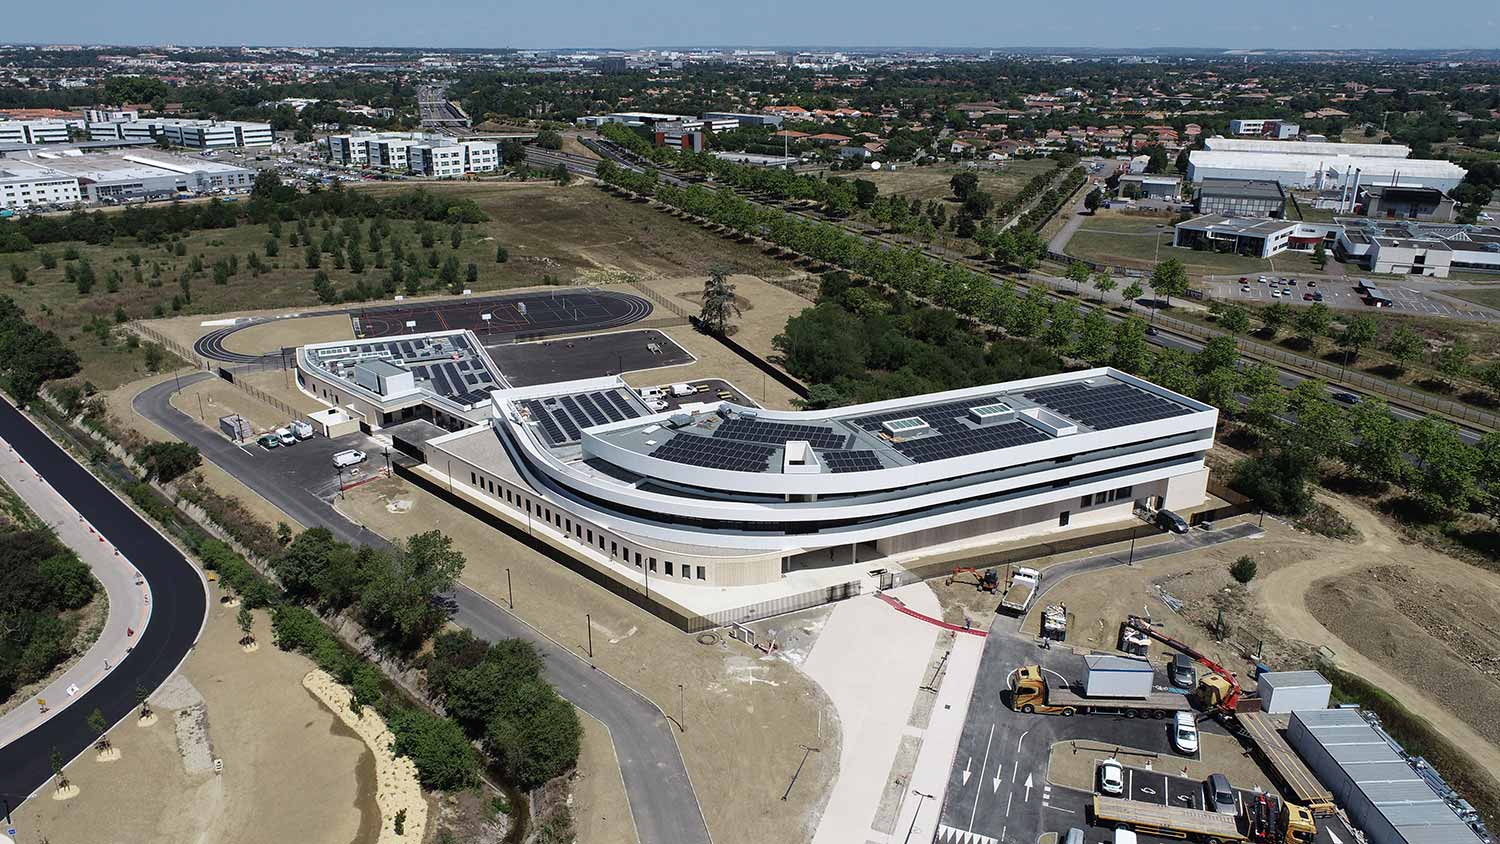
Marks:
<point>871,661</point>
<point>128,593</point>
<point>929,781</point>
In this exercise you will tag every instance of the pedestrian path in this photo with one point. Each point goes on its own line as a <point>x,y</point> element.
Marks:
<point>128,594</point>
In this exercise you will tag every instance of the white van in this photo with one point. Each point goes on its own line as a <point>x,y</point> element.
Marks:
<point>649,393</point>
<point>301,430</point>
<point>1125,836</point>
<point>345,459</point>
<point>680,390</point>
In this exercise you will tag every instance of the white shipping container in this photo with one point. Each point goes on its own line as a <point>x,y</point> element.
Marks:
<point>1117,676</point>
<point>1287,691</point>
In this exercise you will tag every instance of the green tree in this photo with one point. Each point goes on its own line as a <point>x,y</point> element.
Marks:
<point>100,728</point>
<point>719,303</point>
<point>312,257</point>
<point>1404,346</point>
<point>1453,360</point>
<point>1377,450</point>
<point>1078,273</point>
<point>1312,322</point>
<point>501,254</point>
<point>1132,292</point>
<point>1061,325</point>
<point>1130,348</point>
<point>1235,320</point>
<point>397,600</point>
<point>1274,317</point>
<point>1168,279</point>
<point>1358,333</point>
<point>168,461</point>
<point>1443,480</point>
<point>246,621</point>
<point>17,273</point>
<point>964,185</point>
<point>1092,200</point>
<point>1095,337</point>
<point>1103,283</point>
<point>444,758</point>
<point>1320,255</point>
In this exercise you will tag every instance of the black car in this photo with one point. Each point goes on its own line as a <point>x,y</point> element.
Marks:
<point>1346,398</point>
<point>1167,520</point>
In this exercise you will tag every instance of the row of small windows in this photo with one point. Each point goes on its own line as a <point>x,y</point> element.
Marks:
<point>1106,497</point>
<point>617,551</point>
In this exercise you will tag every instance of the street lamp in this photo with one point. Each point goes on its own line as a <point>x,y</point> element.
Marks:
<point>921,796</point>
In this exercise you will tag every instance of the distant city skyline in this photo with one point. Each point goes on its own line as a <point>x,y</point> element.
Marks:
<point>602,24</point>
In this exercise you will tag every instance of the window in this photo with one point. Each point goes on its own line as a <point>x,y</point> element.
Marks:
<point>591,536</point>
<point>1087,500</point>
<point>651,563</point>
<point>1062,518</point>
<point>702,573</point>
<point>637,559</point>
<point>667,567</point>
<point>614,549</point>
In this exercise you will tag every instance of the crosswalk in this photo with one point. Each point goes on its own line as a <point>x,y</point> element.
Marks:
<point>949,835</point>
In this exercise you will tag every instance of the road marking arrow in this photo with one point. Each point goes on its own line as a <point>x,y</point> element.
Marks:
<point>1028,788</point>
<point>1336,839</point>
<point>967,765</point>
<point>995,785</point>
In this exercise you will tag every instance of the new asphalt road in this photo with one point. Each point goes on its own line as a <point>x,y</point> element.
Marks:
<point>662,801</point>
<point>181,606</point>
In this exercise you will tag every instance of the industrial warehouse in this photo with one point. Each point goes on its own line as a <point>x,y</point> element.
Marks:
<point>720,494</point>
<point>1307,165</point>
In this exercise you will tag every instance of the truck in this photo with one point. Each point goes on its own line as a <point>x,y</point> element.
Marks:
<point>1020,589</point>
<point>1262,820</point>
<point>1031,692</point>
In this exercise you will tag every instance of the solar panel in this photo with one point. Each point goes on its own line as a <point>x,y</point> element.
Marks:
<point>963,441</point>
<point>778,433</point>
<point>850,461</point>
<point>714,454</point>
<point>608,407</point>
<point>1109,406</point>
<point>573,410</point>
<point>624,406</point>
<point>939,417</point>
<point>553,433</point>
<point>593,412</point>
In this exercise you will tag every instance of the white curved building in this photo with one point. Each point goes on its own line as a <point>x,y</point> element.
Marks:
<point>717,494</point>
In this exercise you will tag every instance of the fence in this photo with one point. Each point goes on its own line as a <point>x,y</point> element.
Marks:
<point>779,606</point>
<point>1237,504</point>
<point>260,395</point>
<point>659,300</point>
<point>755,360</point>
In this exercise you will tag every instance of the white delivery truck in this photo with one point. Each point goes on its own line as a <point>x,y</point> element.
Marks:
<point>301,429</point>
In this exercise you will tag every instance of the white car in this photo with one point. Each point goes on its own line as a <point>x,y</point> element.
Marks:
<point>345,459</point>
<point>1185,734</point>
<point>285,436</point>
<point>1111,777</point>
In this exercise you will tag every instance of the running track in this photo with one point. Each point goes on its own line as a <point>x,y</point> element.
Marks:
<point>177,588</point>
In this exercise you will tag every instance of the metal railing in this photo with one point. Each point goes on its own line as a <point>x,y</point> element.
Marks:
<point>775,606</point>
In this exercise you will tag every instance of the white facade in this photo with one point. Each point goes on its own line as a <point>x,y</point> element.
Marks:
<point>26,185</point>
<point>437,156</point>
<point>34,131</point>
<point>193,134</point>
<point>1313,171</point>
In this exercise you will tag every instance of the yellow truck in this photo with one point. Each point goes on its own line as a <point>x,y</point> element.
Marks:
<point>1263,821</point>
<point>1031,692</point>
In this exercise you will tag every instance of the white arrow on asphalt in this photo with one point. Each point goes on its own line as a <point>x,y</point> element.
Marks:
<point>967,766</point>
<point>1028,788</point>
<point>1336,839</point>
<point>995,785</point>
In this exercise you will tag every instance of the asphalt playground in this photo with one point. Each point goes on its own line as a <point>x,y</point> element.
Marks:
<point>588,356</point>
<point>506,318</point>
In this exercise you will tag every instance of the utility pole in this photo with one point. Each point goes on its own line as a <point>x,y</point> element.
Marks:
<point>681,708</point>
<point>509,592</point>
<point>1133,530</point>
<point>590,623</point>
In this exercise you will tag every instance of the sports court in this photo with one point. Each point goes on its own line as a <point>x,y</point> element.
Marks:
<point>505,318</point>
<point>590,356</point>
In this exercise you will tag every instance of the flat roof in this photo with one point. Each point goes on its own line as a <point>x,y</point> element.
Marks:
<point>449,365</point>
<point>1252,226</point>
<point>1291,147</point>
<point>721,435</point>
<point>1243,188</point>
<point>1336,165</point>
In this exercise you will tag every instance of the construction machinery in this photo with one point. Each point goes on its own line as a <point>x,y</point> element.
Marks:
<point>1020,589</point>
<point>986,580</point>
<point>1219,691</point>
<point>1030,692</point>
<point>1262,820</point>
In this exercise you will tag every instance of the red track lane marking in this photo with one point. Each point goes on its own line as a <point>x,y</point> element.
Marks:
<point>903,608</point>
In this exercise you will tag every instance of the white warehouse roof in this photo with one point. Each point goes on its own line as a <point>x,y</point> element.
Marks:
<point>1303,170</point>
<point>1219,144</point>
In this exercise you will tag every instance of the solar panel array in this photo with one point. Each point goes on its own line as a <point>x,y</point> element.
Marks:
<point>711,453</point>
<point>1106,407</point>
<point>778,433</point>
<point>940,417</point>
<point>563,417</point>
<point>961,440</point>
<point>850,461</point>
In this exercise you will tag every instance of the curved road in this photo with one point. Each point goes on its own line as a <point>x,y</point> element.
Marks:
<point>181,608</point>
<point>662,801</point>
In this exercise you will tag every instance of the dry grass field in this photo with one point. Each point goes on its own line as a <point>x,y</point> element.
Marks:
<point>1002,180</point>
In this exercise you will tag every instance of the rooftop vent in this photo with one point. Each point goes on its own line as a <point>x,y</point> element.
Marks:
<point>906,426</point>
<point>990,414</point>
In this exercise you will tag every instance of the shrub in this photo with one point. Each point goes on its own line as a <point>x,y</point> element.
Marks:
<point>1243,569</point>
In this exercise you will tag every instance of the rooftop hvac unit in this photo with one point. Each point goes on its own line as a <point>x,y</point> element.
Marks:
<point>680,420</point>
<point>906,426</point>
<point>992,413</point>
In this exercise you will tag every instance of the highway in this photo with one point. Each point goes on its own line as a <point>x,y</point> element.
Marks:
<point>661,797</point>
<point>177,617</point>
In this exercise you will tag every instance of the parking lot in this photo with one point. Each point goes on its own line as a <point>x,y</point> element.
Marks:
<point>309,463</point>
<point>1342,294</point>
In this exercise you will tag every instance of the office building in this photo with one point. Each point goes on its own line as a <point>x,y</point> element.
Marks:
<point>1428,205</point>
<point>1241,198</point>
<point>438,156</point>
<point>24,184</point>
<point>1264,128</point>
<point>192,134</point>
<point>719,494</point>
<point>745,119</point>
<point>1410,247</point>
<point>1256,237</point>
<point>1141,186</point>
<point>110,177</point>
<point>34,132</point>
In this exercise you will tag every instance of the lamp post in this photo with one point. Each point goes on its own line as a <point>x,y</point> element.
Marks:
<point>510,594</point>
<point>1133,530</point>
<point>681,708</point>
<point>921,796</point>
<point>589,622</point>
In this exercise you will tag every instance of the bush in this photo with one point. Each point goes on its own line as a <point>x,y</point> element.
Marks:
<point>444,758</point>
<point>168,461</point>
<point>1280,481</point>
<point>1243,569</point>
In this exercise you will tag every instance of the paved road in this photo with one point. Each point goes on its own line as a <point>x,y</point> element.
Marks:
<point>661,797</point>
<point>181,607</point>
<point>128,595</point>
<point>997,788</point>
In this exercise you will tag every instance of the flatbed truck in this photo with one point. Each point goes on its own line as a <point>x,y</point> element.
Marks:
<point>1032,693</point>
<point>1263,821</point>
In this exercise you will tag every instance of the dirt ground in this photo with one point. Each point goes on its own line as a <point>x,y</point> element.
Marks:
<point>715,361</point>
<point>601,813</point>
<point>1385,609</point>
<point>764,307</point>
<point>273,336</point>
<point>278,744</point>
<point>1072,762</point>
<point>745,715</point>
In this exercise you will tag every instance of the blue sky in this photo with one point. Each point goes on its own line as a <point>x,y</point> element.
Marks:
<point>1297,24</point>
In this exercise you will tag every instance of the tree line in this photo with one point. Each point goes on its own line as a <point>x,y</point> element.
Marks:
<point>45,584</point>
